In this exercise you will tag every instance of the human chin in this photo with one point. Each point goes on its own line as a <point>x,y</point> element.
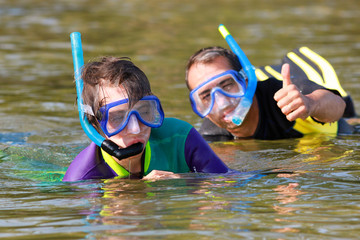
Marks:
<point>227,124</point>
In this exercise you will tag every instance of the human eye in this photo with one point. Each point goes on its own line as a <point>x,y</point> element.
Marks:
<point>143,106</point>
<point>205,96</point>
<point>144,110</point>
<point>228,85</point>
<point>116,118</point>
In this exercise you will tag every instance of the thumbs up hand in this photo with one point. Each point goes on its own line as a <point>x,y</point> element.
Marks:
<point>290,99</point>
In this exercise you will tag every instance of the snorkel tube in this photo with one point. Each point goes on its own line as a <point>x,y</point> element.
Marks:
<point>106,144</point>
<point>239,113</point>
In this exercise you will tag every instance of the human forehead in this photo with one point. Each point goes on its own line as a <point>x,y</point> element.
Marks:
<point>109,94</point>
<point>200,72</point>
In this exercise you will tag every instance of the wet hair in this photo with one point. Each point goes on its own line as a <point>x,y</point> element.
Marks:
<point>112,71</point>
<point>208,55</point>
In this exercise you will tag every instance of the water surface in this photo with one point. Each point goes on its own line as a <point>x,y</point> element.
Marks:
<point>288,189</point>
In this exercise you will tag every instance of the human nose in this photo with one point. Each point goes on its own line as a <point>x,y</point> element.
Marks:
<point>133,125</point>
<point>221,100</point>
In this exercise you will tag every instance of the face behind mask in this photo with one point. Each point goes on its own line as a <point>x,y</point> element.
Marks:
<point>217,93</point>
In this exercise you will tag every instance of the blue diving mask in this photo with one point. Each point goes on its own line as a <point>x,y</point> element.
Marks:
<point>224,89</point>
<point>117,115</point>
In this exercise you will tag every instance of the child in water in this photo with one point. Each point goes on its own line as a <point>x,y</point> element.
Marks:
<point>122,108</point>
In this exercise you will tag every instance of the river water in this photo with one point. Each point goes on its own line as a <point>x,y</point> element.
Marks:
<point>306,188</point>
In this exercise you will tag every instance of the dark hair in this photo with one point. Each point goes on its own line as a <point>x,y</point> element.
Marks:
<point>208,55</point>
<point>112,71</point>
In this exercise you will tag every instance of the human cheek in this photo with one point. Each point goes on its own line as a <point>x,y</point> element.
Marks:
<point>147,132</point>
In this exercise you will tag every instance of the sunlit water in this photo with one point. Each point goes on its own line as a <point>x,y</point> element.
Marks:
<point>287,189</point>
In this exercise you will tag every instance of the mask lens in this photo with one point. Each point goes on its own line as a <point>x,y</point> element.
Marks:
<point>147,111</point>
<point>230,86</point>
<point>116,118</point>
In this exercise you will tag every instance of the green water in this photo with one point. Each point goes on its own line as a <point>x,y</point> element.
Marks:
<point>315,195</point>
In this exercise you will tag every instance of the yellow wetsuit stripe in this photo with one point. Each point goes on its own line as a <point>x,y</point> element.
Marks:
<point>308,126</point>
<point>147,157</point>
<point>118,169</point>
<point>330,77</point>
<point>308,70</point>
<point>261,76</point>
<point>273,72</point>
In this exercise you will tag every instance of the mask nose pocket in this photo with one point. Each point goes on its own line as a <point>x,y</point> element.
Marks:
<point>221,100</point>
<point>133,125</point>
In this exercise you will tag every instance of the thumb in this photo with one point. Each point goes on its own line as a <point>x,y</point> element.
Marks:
<point>285,72</point>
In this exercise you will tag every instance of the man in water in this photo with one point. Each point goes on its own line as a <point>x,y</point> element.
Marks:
<point>280,109</point>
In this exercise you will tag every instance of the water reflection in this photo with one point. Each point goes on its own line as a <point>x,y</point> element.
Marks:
<point>190,204</point>
<point>287,194</point>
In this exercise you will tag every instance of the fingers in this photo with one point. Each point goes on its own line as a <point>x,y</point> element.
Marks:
<point>294,106</point>
<point>289,93</point>
<point>294,111</point>
<point>285,72</point>
<point>292,103</point>
<point>298,113</point>
<point>287,96</point>
<point>160,175</point>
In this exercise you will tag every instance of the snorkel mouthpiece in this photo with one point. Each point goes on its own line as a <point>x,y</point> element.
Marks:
<point>237,116</point>
<point>121,153</point>
<point>240,112</point>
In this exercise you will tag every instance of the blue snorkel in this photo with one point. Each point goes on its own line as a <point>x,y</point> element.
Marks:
<point>238,115</point>
<point>106,144</point>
